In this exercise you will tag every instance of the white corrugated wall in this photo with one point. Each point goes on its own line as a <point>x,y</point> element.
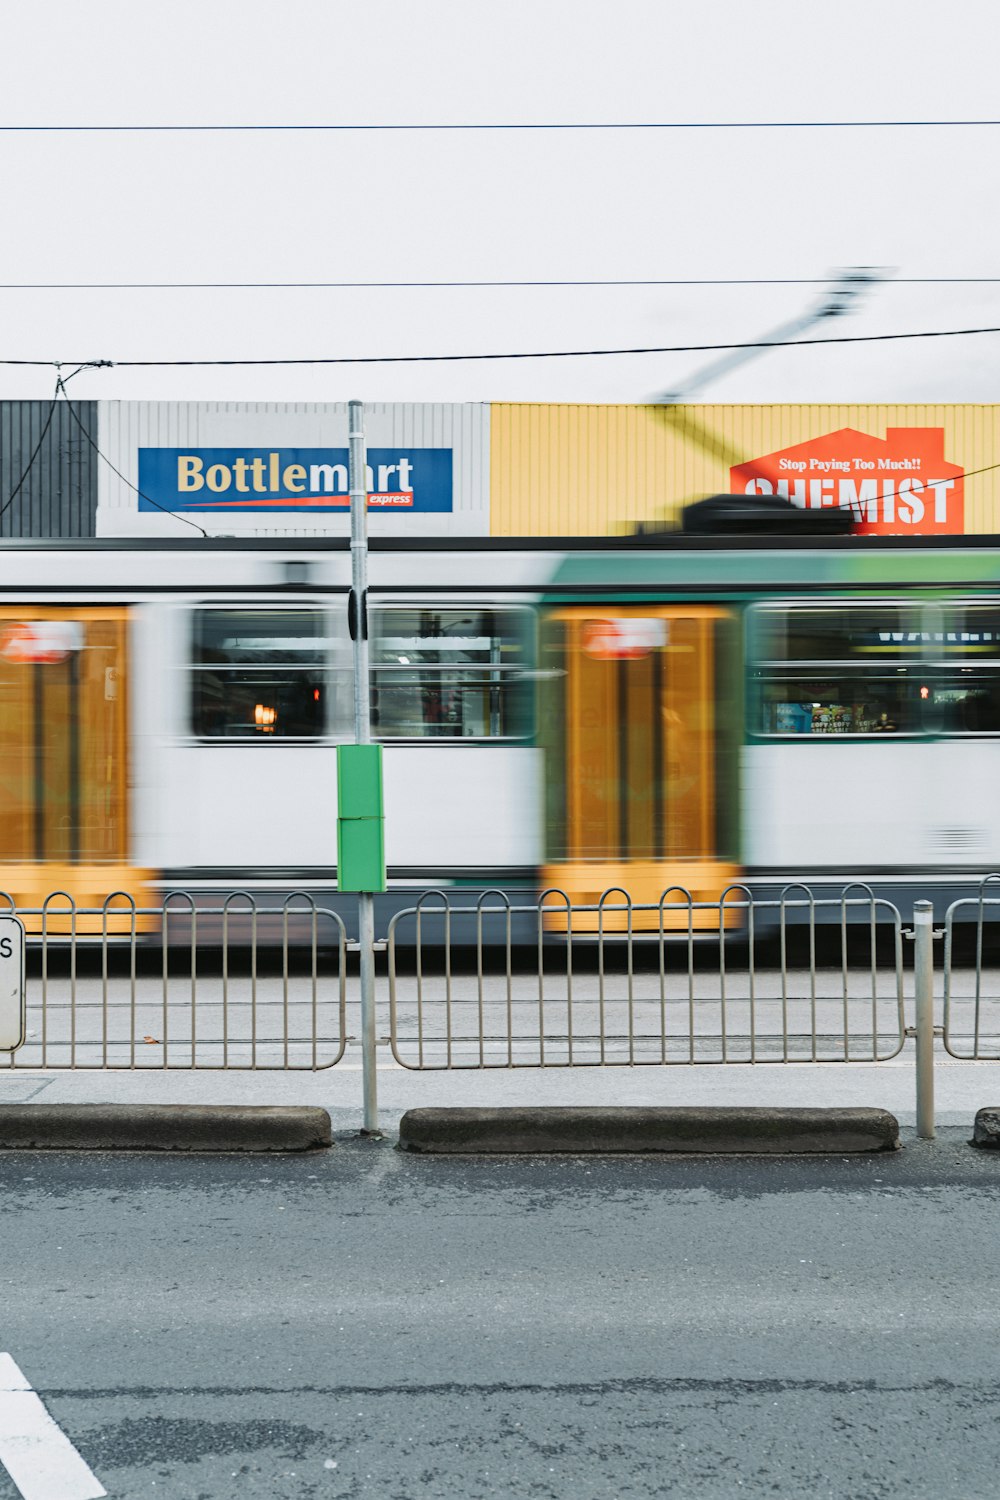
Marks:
<point>126,426</point>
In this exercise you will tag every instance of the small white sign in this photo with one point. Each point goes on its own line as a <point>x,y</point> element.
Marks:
<point>11,983</point>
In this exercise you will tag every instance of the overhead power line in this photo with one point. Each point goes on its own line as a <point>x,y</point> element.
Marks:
<point>160,286</point>
<point>61,383</point>
<point>512,125</point>
<point>418,359</point>
<point>60,396</point>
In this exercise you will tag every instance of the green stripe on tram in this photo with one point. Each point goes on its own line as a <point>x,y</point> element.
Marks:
<point>753,569</point>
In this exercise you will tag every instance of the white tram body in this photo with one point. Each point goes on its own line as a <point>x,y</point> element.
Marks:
<point>191,796</point>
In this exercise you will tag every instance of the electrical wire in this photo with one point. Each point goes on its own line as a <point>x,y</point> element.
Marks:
<point>160,286</point>
<point>932,484</point>
<point>417,359</point>
<point>503,125</point>
<point>61,389</point>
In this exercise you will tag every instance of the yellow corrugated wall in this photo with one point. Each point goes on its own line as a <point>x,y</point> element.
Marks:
<point>562,470</point>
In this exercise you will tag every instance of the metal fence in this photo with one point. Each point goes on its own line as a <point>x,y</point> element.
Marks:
<point>235,986</point>
<point>971,1029</point>
<point>619,984</point>
<point>196,984</point>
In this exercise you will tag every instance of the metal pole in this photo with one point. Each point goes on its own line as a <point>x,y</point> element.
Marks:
<point>363,736</point>
<point>923,984</point>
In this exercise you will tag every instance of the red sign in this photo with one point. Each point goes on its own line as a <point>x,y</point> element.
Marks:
<point>897,485</point>
<point>623,640</point>
<point>41,641</point>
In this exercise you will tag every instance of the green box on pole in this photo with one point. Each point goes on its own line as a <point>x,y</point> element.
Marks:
<point>360,854</point>
<point>360,820</point>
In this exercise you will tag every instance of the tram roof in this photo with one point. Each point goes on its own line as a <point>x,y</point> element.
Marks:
<point>750,565</point>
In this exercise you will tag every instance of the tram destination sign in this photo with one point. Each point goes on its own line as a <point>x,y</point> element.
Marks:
<point>12,1015</point>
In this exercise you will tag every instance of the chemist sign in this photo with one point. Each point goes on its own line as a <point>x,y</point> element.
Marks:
<point>899,485</point>
<point>252,480</point>
<point>11,983</point>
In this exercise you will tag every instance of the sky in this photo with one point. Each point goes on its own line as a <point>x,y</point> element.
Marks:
<point>496,205</point>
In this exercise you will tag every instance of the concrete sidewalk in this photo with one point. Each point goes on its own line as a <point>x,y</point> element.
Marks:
<point>961,1087</point>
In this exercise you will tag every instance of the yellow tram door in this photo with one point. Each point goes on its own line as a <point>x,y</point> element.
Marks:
<point>640,722</point>
<point>64,773</point>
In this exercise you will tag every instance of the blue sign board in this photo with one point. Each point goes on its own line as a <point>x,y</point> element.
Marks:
<point>291,479</point>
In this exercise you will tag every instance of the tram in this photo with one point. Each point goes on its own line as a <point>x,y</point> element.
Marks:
<point>639,713</point>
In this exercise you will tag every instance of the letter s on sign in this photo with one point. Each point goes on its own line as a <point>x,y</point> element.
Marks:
<point>6,948</point>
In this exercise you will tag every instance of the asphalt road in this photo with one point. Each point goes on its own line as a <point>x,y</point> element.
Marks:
<point>363,1325</point>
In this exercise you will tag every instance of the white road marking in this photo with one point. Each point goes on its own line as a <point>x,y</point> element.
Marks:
<point>36,1453</point>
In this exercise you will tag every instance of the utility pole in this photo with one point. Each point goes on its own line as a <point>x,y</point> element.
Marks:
<point>360,820</point>
<point>359,572</point>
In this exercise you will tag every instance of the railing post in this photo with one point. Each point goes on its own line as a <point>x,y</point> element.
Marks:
<point>923,976</point>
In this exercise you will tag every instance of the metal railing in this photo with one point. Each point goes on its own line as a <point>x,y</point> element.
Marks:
<point>201,984</point>
<point>618,984</point>
<point>184,985</point>
<point>971,1012</point>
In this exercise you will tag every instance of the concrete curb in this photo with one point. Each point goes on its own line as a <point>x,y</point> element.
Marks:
<point>684,1130</point>
<point>986,1131</point>
<point>162,1127</point>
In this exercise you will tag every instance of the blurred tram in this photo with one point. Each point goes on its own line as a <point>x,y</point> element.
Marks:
<point>640,713</point>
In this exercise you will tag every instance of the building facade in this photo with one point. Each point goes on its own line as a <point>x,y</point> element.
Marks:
<point>131,468</point>
<point>48,468</point>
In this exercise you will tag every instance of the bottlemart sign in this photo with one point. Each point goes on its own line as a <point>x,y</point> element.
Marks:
<point>291,479</point>
<point>898,485</point>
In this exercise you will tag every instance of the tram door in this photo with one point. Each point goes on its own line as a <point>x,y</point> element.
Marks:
<point>64,754</point>
<point>641,725</point>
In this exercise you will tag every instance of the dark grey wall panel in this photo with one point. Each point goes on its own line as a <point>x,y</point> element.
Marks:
<point>58,497</point>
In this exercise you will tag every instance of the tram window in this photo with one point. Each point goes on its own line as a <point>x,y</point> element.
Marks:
<point>835,633</point>
<point>970,632</point>
<point>260,674</point>
<point>963,678</point>
<point>451,673</point>
<point>840,669</point>
<point>879,668</point>
<point>842,705</point>
<point>963,703</point>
